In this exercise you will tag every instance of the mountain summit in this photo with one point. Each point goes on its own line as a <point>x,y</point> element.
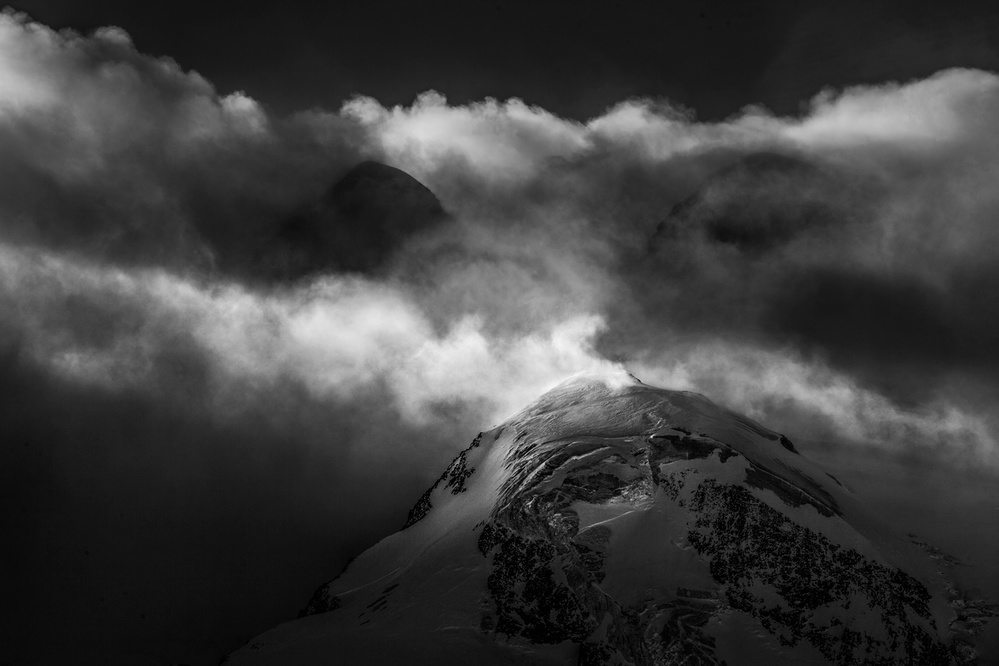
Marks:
<point>359,222</point>
<point>611,522</point>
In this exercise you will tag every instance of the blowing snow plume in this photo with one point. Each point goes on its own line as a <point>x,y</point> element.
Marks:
<point>828,274</point>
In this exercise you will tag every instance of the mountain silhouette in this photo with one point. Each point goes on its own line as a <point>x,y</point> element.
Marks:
<point>361,220</point>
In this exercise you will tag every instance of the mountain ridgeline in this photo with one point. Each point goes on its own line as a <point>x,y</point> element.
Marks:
<point>611,522</point>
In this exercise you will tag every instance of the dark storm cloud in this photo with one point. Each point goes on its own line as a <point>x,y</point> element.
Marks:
<point>561,235</point>
<point>848,256</point>
<point>861,246</point>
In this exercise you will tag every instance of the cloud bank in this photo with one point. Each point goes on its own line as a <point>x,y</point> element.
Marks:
<point>829,274</point>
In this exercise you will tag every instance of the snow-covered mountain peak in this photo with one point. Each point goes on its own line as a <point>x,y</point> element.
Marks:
<point>611,378</point>
<point>612,522</point>
<point>610,404</point>
<point>581,389</point>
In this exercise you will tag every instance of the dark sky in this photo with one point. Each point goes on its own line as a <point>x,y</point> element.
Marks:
<point>572,58</point>
<point>190,447</point>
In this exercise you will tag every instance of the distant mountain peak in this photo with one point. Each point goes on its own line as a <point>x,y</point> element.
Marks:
<point>761,201</point>
<point>376,188</point>
<point>364,217</point>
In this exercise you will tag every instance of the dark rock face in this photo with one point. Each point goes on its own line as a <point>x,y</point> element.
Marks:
<point>453,478</point>
<point>356,226</point>
<point>819,573</point>
<point>546,573</point>
<point>319,603</point>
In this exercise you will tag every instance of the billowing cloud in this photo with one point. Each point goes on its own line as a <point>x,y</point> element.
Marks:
<point>336,337</point>
<point>131,157</point>
<point>868,244</point>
